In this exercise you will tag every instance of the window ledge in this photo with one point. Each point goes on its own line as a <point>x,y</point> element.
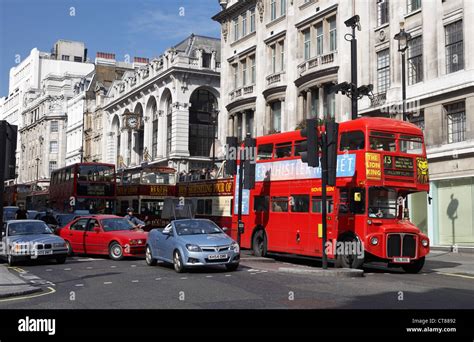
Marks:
<point>415,12</point>
<point>307,4</point>
<point>381,26</point>
<point>244,38</point>
<point>275,21</point>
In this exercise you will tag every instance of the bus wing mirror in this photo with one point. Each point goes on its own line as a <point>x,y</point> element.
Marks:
<point>357,197</point>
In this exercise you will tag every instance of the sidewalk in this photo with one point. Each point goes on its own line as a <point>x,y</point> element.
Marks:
<point>449,262</point>
<point>12,285</point>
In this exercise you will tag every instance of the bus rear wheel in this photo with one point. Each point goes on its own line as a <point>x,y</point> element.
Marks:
<point>350,260</point>
<point>259,243</point>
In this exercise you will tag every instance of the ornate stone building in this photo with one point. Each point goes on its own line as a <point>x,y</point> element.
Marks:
<point>166,112</point>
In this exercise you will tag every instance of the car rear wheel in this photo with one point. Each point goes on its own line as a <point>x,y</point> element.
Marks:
<point>70,252</point>
<point>149,257</point>
<point>259,244</point>
<point>178,262</point>
<point>61,259</point>
<point>115,251</point>
<point>232,267</point>
<point>415,266</point>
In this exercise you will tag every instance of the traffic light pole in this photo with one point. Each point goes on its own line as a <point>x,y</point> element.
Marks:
<point>324,178</point>
<point>354,72</point>
<point>241,188</point>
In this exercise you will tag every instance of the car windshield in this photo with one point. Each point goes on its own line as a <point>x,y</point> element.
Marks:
<point>382,202</point>
<point>195,227</point>
<point>28,228</point>
<point>114,224</point>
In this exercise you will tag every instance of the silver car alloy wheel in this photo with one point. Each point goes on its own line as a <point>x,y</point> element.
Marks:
<point>177,261</point>
<point>117,251</point>
<point>148,254</point>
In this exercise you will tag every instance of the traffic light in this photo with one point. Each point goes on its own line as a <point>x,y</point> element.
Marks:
<point>310,147</point>
<point>249,163</point>
<point>231,157</point>
<point>332,130</point>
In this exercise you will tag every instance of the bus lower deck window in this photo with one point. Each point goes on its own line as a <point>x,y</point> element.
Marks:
<point>261,203</point>
<point>299,203</point>
<point>279,204</point>
<point>317,206</point>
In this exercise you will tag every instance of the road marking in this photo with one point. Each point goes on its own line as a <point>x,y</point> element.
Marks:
<point>133,265</point>
<point>89,268</point>
<point>228,275</point>
<point>67,269</point>
<point>19,270</point>
<point>456,275</point>
<point>157,278</point>
<point>79,285</point>
<point>134,281</point>
<point>208,276</point>
<point>184,278</point>
<point>48,270</point>
<point>113,266</point>
<point>107,282</point>
<point>51,291</point>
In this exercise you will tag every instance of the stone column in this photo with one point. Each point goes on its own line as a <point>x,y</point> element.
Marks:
<point>244,124</point>
<point>236,125</point>
<point>134,149</point>
<point>308,103</point>
<point>213,60</point>
<point>300,108</point>
<point>268,118</point>
<point>321,102</point>
<point>230,126</point>
<point>124,145</point>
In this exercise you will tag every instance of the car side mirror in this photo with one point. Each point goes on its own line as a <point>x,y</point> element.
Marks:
<point>97,229</point>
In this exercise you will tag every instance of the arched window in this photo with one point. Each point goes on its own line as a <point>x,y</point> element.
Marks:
<point>169,125</point>
<point>202,122</point>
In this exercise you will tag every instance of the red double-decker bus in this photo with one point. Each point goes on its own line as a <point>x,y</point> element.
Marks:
<point>145,188</point>
<point>83,186</point>
<point>211,198</point>
<point>380,161</point>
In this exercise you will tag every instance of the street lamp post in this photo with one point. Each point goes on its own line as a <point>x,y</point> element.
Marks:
<point>37,170</point>
<point>403,38</point>
<point>214,115</point>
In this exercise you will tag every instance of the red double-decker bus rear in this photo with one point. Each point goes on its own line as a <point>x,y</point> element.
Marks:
<point>380,161</point>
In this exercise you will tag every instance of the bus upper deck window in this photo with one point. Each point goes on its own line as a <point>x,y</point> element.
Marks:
<point>352,141</point>
<point>381,141</point>
<point>297,148</point>
<point>283,150</point>
<point>410,144</point>
<point>264,152</point>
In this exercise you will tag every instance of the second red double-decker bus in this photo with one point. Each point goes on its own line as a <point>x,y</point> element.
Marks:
<point>380,161</point>
<point>83,186</point>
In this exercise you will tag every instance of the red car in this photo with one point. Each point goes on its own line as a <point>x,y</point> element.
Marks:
<point>104,234</point>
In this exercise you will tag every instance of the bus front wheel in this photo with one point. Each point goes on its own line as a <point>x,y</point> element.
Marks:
<point>259,243</point>
<point>351,259</point>
<point>415,266</point>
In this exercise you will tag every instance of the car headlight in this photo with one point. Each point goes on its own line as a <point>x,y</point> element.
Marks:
<point>20,247</point>
<point>235,247</point>
<point>193,248</point>
<point>424,242</point>
<point>135,242</point>
<point>374,241</point>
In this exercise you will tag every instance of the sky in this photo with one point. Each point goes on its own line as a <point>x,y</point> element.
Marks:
<point>143,28</point>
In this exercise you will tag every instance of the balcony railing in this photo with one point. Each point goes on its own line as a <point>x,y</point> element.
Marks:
<point>246,90</point>
<point>378,99</point>
<point>315,62</point>
<point>275,78</point>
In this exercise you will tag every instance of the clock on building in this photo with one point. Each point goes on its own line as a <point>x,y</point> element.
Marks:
<point>132,121</point>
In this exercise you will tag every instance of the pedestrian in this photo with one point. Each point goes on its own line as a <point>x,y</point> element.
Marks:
<point>21,213</point>
<point>135,220</point>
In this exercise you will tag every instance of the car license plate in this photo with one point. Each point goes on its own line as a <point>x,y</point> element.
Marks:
<point>217,256</point>
<point>401,260</point>
<point>44,252</point>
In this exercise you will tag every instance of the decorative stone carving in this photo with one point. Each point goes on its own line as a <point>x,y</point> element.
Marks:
<point>261,9</point>
<point>225,30</point>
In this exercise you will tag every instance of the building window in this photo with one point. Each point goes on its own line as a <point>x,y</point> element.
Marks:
<point>319,39</point>
<point>330,104</point>
<point>419,120</point>
<point>252,66</point>
<point>273,10</point>
<point>276,116</point>
<point>53,165</point>
<point>314,103</point>
<point>54,126</point>
<point>53,147</point>
<point>169,125</point>
<point>201,125</point>
<point>154,140</point>
<point>244,72</point>
<point>273,56</point>
<point>415,60</point>
<point>383,70</point>
<point>252,20</point>
<point>65,58</point>
<point>332,34</point>
<point>413,5</point>
<point>282,7</point>
<point>454,47</point>
<point>77,59</point>
<point>235,68</point>
<point>456,116</point>
<point>282,55</point>
<point>382,12</point>
<point>307,44</point>
<point>236,29</point>
<point>244,24</point>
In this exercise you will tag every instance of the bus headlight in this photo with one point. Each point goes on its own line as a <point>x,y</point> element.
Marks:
<point>424,242</point>
<point>374,241</point>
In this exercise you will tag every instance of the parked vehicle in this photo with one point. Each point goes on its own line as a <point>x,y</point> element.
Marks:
<point>104,234</point>
<point>31,239</point>
<point>9,213</point>
<point>64,219</point>
<point>191,243</point>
